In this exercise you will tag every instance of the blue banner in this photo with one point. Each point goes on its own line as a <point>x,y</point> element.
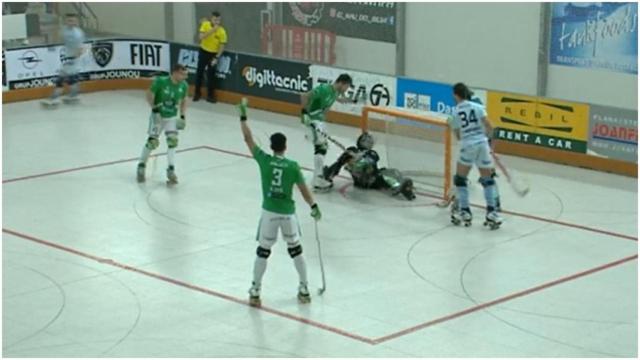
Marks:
<point>595,35</point>
<point>423,95</point>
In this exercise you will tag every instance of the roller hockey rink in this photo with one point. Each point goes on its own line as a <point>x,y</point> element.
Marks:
<point>95,264</point>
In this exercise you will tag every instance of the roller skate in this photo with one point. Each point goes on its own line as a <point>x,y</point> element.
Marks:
<point>320,184</point>
<point>303,294</point>
<point>461,217</point>
<point>493,220</point>
<point>140,172</point>
<point>172,178</point>
<point>50,103</point>
<point>406,189</point>
<point>70,100</point>
<point>254,296</point>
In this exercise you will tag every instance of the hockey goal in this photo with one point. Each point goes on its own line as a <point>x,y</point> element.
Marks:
<point>418,143</point>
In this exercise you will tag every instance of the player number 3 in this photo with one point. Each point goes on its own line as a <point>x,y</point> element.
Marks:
<point>277,177</point>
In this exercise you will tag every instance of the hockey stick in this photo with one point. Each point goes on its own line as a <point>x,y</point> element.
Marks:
<point>519,186</point>
<point>328,137</point>
<point>324,283</point>
<point>450,197</point>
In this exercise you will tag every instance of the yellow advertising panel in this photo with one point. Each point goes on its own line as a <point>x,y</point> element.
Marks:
<point>539,121</point>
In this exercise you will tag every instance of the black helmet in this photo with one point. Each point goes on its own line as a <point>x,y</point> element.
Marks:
<point>365,141</point>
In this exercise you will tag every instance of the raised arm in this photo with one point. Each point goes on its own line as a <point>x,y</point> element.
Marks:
<point>246,132</point>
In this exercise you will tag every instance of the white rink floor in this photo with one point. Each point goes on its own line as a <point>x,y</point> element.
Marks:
<point>96,265</point>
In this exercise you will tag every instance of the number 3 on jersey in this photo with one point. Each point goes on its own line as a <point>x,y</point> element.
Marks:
<point>277,177</point>
<point>472,118</point>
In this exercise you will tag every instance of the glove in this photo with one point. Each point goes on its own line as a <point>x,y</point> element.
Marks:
<point>181,123</point>
<point>242,109</point>
<point>315,212</point>
<point>305,118</point>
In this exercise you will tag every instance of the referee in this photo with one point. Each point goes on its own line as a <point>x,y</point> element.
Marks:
<point>213,38</point>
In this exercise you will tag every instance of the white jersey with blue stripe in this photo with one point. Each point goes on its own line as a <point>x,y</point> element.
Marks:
<point>467,117</point>
<point>73,41</point>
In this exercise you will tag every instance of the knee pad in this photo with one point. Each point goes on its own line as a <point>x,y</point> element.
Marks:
<point>59,81</point>
<point>321,149</point>
<point>494,174</point>
<point>172,140</point>
<point>459,181</point>
<point>295,251</point>
<point>72,79</point>
<point>152,143</point>
<point>262,252</point>
<point>486,182</point>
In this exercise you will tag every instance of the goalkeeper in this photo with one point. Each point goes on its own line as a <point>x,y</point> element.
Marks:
<point>361,161</point>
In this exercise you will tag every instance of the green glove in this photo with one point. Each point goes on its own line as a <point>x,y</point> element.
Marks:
<point>315,212</point>
<point>242,109</point>
<point>305,118</point>
<point>181,123</point>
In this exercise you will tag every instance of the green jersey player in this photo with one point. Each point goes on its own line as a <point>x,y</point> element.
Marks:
<point>315,105</point>
<point>278,175</point>
<point>166,94</point>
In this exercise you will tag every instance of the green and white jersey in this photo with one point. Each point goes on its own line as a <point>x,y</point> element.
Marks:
<point>168,94</point>
<point>321,99</point>
<point>278,176</point>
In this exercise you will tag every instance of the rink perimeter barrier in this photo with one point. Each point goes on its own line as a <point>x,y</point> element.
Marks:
<point>564,132</point>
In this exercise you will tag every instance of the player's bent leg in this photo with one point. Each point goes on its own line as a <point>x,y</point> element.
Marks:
<point>333,170</point>
<point>493,220</point>
<point>151,144</point>
<point>463,211</point>
<point>266,236</point>
<point>53,101</point>
<point>75,89</point>
<point>259,267</point>
<point>496,191</point>
<point>171,132</point>
<point>291,233</point>
<point>319,181</point>
<point>172,144</point>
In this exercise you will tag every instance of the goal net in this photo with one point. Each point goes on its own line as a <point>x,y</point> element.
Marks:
<point>418,143</point>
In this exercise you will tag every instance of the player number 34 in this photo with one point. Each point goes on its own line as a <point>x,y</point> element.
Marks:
<point>465,121</point>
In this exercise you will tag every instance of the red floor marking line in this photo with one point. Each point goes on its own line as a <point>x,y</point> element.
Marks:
<point>532,217</point>
<point>90,166</point>
<point>556,222</point>
<point>189,286</point>
<point>504,299</point>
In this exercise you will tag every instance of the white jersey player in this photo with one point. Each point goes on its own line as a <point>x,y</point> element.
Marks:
<point>73,38</point>
<point>473,131</point>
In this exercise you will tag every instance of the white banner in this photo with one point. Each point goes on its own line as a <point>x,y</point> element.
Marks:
<point>108,59</point>
<point>32,63</point>
<point>128,55</point>
<point>367,88</point>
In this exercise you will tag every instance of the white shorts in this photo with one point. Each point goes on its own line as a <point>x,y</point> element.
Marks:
<point>270,222</point>
<point>158,124</point>
<point>478,154</point>
<point>316,131</point>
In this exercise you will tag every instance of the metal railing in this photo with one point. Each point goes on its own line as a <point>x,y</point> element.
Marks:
<point>88,18</point>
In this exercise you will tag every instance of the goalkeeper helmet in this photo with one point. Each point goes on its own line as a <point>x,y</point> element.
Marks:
<point>365,141</point>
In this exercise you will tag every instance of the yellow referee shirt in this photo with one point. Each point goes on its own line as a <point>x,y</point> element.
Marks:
<point>212,42</point>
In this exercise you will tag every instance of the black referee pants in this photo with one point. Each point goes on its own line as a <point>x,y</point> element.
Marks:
<point>204,61</point>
